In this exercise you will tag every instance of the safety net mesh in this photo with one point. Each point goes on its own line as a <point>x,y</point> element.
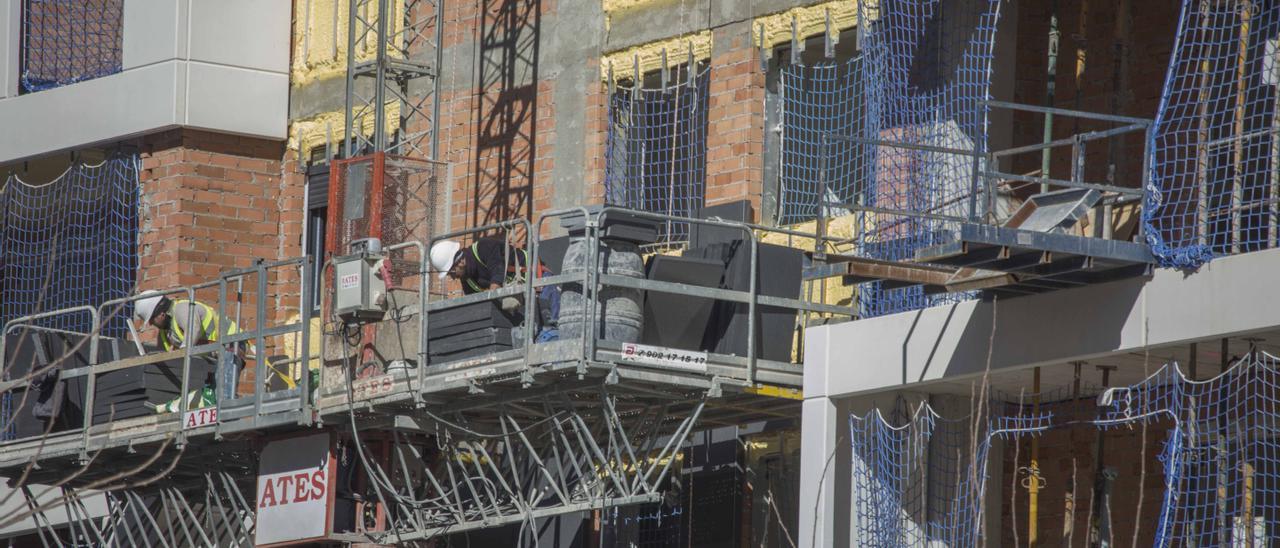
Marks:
<point>69,243</point>
<point>68,41</point>
<point>1222,457</point>
<point>1212,478</point>
<point>922,85</point>
<point>818,102</point>
<point>920,479</point>
<point>1215,165</point>
<point>657,147</point>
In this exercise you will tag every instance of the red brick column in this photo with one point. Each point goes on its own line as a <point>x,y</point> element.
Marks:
<point>735,119</point>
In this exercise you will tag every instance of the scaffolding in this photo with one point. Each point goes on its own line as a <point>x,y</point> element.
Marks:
<point>503,438</point>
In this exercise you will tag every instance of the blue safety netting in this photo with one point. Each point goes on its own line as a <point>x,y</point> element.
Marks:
<point>68,41</point>
<point>922,84</point>
<point>1215,150</point>
<point>70,242</point>
<point>920,480</point>
<point>817,101</point>
<point>1222,457</point>
<point>915,481</point>
<point>657,147</point>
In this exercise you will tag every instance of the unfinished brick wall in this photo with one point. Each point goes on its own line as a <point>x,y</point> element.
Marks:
<point>735,119</point>
<point>1125,47</point>
<point>214,202</point>
<point>1067,463</point>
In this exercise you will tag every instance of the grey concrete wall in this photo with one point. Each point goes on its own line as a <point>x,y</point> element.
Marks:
<point>1228,297</point>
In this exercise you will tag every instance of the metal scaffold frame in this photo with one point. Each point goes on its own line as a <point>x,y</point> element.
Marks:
<point>527,417</point>
<point>405,70</point>
<point>213,511</point>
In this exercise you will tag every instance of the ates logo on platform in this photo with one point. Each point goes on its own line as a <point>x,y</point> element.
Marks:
<point>200,417</point>
<point>349,281</point>
<point>295,484</point>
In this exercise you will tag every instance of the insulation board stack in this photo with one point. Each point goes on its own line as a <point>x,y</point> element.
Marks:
<point>468,331</point>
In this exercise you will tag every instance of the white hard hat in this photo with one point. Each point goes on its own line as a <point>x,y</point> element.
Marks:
<point>145,308</point>
<point>443,254</point>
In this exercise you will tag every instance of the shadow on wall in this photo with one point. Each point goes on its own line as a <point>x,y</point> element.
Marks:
<point>506,110</point>
<point>1097,328</point>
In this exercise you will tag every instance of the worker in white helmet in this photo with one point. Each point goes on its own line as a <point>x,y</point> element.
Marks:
<point>173,317</point>
<point>490,263</point>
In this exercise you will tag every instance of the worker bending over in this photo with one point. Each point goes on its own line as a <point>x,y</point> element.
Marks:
<point>490,263</point>
<point>172,318</point>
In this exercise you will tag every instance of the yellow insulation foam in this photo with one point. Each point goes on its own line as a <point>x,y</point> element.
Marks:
<point>309,133</point>
<point>649,55</point>
<point>809,21</point>
<point>293,342</point>
<point>320,38</point>
<point>615,6</point>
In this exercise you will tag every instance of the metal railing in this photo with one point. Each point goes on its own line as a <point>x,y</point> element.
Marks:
<point>593,282</point>
<point>265,408</point>
<point>983,173</point>
<point>262,404</point>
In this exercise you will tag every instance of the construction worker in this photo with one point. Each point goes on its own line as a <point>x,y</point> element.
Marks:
<point>172,318</point>
<point>490,263</point>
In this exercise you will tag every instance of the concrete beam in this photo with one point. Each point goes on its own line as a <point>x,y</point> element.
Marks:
<point>825,468</point>
<point>1228,297</point>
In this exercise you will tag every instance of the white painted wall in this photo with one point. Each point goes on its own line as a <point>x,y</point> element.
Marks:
<point>218,65</point>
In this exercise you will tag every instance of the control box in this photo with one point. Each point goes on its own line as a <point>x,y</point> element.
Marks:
<point>359,291</point>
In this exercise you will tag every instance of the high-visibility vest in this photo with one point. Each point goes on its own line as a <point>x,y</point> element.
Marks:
<point>514,272</point>
<point>210,320</point>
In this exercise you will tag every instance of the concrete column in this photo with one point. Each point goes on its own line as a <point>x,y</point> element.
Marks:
<point>10,46</point>
<point>825,466</point>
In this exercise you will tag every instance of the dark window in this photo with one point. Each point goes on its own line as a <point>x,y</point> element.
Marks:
<point>657,147</point>
<point>808,95</point>
<point>317,224</point>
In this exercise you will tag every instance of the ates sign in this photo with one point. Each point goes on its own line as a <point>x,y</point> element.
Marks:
<point>295,490</point>
<point>200,417</point>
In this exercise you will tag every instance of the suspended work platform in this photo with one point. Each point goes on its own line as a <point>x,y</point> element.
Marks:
<point>1037,261</point>
<point>436,442</point>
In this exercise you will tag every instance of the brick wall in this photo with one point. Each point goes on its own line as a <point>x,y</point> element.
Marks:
<point>1067,461</point>
<point>1126,48</point>
<point>735,119</point>
<point>214,202</point>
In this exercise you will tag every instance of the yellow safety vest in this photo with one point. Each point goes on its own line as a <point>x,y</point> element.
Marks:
<point>210,320</point>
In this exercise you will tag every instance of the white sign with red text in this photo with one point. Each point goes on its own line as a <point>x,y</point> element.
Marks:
<point>673,358</point>
<point>294,480</point>
<point>200,417</point>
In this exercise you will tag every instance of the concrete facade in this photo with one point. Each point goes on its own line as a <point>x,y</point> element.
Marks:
<point>202,65</point>
<point>1137,324</point>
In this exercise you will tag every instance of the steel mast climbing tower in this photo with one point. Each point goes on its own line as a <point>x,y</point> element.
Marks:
<point>394,59</point>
